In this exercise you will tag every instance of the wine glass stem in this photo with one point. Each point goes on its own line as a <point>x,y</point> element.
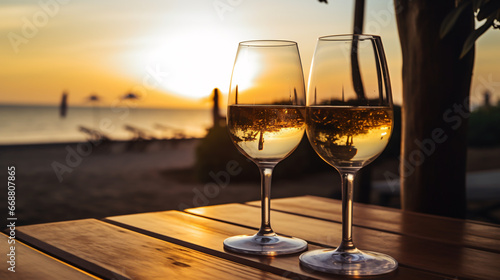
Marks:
<point>266,172</point>
<point>347,244</point>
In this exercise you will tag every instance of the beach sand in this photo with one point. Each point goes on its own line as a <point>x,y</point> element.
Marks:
<point>56,182</point>
<point>121,178</point>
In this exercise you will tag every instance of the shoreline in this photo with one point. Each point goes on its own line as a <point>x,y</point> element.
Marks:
<point>64,143</point>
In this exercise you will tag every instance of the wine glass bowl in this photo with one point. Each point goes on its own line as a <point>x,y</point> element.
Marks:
<point>266,133</point>
<point>266,122</point>
<point>351,136</point>
<point>349,120</point>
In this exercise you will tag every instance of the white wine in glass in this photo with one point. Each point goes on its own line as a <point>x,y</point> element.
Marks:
<point>349,120</point>
<point>282,125</point>
<point>266,122</point>
<point>332,129</point>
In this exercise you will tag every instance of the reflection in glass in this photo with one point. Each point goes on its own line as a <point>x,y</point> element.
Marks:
<point>349,121</point>
<point>266,122</point>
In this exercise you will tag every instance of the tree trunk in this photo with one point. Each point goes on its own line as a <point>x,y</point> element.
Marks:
<point>436,86</point>
<point>363,182</point>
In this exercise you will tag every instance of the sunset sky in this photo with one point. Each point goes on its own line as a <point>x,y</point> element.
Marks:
<point>173,53</point>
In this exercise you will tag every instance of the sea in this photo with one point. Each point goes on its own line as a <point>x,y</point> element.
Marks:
<point>43,124</point>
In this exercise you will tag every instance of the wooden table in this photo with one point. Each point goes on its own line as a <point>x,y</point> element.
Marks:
<point>188,245</point>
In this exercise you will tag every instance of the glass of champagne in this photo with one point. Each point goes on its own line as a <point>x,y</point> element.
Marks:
<point>266,122</point>
<point>349,120</point>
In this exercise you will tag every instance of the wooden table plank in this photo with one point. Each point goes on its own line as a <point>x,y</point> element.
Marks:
<point>452,231</point>
<point>117,253</point>
<point>207,235</point>
<point>409,251</point>
<point>33,264</point>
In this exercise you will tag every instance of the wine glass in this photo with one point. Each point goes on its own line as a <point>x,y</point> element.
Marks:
<point>349,120</point>
<point>266,122</point>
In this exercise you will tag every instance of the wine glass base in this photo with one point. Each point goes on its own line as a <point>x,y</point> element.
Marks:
<point>264,245</point>
<point>343,263</point>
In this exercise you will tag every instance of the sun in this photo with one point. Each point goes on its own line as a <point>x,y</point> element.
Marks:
<point>246,69</point>
<point>191,63</point>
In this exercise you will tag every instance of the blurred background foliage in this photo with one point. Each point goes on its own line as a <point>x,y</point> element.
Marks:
<point>484,127</point>
<point>216,150</point>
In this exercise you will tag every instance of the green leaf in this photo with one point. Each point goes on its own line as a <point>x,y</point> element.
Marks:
<point>450,20</point>
<point>489,8</point>
<point>471,39</point>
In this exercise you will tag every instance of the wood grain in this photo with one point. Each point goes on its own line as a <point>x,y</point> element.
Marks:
<point>447,230</point>
<point>413,252</point>
<point>207,235</point>
<point>32,264</point>
<point>117,253</point>
<point>178,245</point>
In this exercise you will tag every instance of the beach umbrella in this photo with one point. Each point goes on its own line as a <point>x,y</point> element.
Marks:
<point>94,99</point>
<point>130,96</point>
